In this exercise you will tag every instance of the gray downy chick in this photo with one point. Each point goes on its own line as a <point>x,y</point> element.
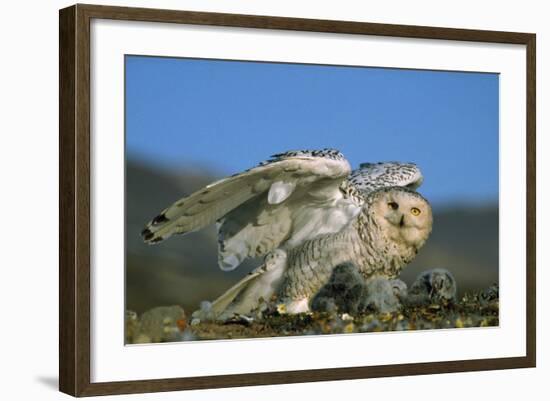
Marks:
<point>348,292</point>
<point>385,295</point>
<point>433,287</point>
<point>344,293</point>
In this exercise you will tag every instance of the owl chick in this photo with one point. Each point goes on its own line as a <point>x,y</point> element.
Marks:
<point>433,286</point>
<point>349,292</point>
<point>344,293</point>
<point>383,295</point>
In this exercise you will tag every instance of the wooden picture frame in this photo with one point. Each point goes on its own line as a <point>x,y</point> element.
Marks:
<point>74,206</point>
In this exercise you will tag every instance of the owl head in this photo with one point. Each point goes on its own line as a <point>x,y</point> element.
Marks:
<point>403,215</point>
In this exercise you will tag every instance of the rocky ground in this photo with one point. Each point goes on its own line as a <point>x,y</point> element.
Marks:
<point>163,324</point>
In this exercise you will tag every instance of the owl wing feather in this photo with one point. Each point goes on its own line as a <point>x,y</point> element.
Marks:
<point>254,209</point>
<point>372,176</point>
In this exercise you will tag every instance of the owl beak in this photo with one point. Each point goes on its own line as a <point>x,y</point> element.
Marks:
<point>402,221</point>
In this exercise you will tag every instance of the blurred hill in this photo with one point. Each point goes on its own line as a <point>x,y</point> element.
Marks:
<point>184,271</point>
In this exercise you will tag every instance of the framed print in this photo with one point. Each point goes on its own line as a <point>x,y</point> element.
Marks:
<point>298,200</point>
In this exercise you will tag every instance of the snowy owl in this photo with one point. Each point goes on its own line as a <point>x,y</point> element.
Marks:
<point>305,212</point>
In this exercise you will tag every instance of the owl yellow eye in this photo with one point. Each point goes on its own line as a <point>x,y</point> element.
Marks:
<point>415,211</point>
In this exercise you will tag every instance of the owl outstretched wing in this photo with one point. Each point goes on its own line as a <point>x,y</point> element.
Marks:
<point>282,201</point>
<point>291,198</point>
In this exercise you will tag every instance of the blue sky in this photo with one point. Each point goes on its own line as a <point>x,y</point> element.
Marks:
<point>226,116</point>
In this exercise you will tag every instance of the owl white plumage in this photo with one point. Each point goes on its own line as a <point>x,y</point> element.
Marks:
<point>279,207</point>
